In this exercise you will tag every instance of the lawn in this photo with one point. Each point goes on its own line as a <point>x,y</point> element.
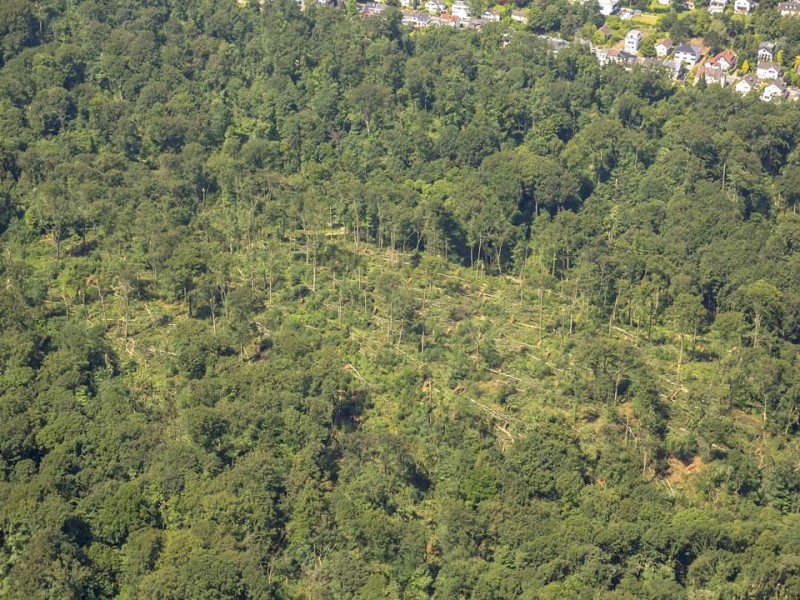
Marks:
<point>646,19</point>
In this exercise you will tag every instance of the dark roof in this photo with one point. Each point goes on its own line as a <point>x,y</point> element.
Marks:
<point>687,48</point>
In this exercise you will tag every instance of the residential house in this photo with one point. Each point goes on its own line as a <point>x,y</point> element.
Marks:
<point>663,48</point>
<point>686,54</point>
<point>435,6</point>
<point>768,70</point>
<point>626,58</point>
<point>789,9</point>
<point>747,84</point>
<point>557,44</point>
<point>713,76</point>
<point>602,55</point>
<point>490,15</point>
<point>724,61</point>
<point>407,3</point>
<point>767,51</point>
<point>460,9</point>
<point>519,17</point>
<point>716,7</point>
<point>416,19</point>
<point>449,20</point>
<point>613,57</point>
<point>664,2</point>
<point>689,4</point>
<point>372,8</point>
<point>774,90</point>
<point>608,7</point>
<point>793,93</point>
<point>474,23</point>
<point>653,63</point>
<point>604,31</point>
<point>633,40</point>
<point>744,7</point>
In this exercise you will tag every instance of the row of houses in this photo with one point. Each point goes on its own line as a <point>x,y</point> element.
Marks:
<point>716,70</point>
<point>740,7</point>
<point>463,12</point>
<point>419,19</point>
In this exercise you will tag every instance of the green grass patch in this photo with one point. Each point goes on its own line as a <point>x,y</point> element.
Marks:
<point>646,19</point>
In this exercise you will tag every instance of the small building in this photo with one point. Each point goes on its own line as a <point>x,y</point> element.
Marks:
<point>653,63</point>
<point>686,54</point>
<point>604,31</point>
<point>789,9</point>
<point>633,40</point>
<point>716,7</point>
<point>461,10</point>
<point>435,6</point>
<point>774,90</point>
<point>663,48</point>
<point>602,55</point>
<point>744,7</point>
<point>490,15</point>
<point>372,8</point>
<point>626,58</point>
<point>416,19</point>
<point>747,84</point>
<point>556,44</point>
<point>724,61</point>
<point>449,20</point>
<point>713,76</point>
<point>768,70</point>
<point>767,51</point>
<point>474,23</point>
<point>793,93</point>
<point>519,17</point>
<point>608,7</point>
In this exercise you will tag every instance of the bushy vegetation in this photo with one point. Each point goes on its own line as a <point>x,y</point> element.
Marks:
<point>301,305</point>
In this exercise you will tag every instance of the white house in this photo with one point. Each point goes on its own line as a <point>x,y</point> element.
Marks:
<point>716,7</point>
<point>490,15</point>
<point>766,51</point>
<point>435,6</point>
<point>608,7</point>
<point>602,55</point>
<point>416,19</point>
<point>744,7</point>
<point>768,70</point>
<point>686,54</point>
<point>461,10</point>
<point>773,91</point>
<point>372,8</point>
<point>663,48</point>
<point>747,84</point>
<point>633,40</point>
<point>713,77</point>
<point>789,9</point>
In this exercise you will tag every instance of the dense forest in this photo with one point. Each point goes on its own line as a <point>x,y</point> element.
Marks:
<point>308,305</point>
